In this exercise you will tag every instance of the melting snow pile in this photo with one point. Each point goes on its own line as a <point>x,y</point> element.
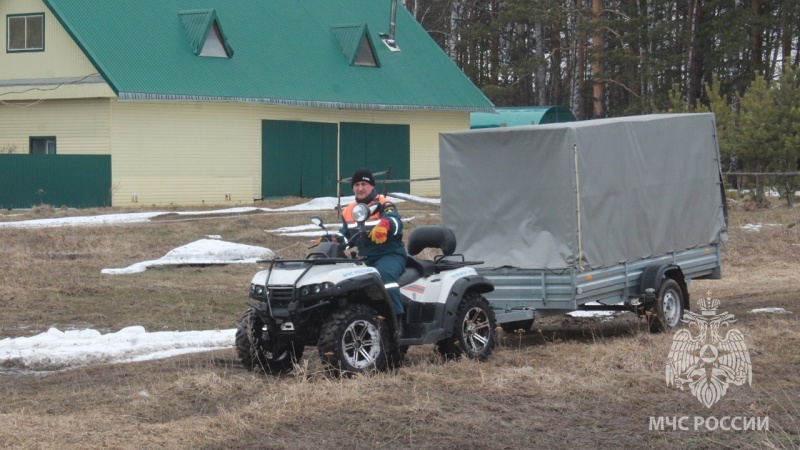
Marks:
<point>58,350</point>
<point>202,252</point>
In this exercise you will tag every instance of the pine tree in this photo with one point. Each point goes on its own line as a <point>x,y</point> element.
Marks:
<point>786,96</point>
<point>756,138</point>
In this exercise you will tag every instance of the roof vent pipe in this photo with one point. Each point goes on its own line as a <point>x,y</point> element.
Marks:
<point>393,20</point>
<point>389,39</point>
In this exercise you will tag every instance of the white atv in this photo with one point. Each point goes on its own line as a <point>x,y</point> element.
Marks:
<point>341,306</point>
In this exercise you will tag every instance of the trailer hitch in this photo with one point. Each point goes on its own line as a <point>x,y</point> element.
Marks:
<point>644,302</point>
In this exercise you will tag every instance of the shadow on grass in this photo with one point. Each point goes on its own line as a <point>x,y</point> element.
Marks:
<point>582,330</point>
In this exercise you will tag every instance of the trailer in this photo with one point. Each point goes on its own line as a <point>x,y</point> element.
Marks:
<point>615,214</point>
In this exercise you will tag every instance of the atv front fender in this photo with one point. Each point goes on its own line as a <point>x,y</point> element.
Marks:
<point>368,289</point>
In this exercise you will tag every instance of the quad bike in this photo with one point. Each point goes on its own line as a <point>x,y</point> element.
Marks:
<point>339,305</point>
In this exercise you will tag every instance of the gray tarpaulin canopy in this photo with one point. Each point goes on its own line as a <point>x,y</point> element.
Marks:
<point>585,195</point>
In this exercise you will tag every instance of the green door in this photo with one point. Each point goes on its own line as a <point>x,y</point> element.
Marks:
<point>376,147</point>
<point>298,159</point>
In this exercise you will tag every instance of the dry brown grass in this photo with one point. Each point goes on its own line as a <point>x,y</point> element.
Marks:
<point>569,383</point>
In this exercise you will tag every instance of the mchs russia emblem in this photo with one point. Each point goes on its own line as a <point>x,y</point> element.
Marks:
<point>708,362</point>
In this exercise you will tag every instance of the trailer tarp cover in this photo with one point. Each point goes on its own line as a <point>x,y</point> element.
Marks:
<point>584,195</point>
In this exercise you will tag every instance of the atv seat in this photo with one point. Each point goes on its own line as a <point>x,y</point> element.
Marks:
<point>422,237</point>
<point>410,275</point>
<point>423,267</point>
<point>431,236</point>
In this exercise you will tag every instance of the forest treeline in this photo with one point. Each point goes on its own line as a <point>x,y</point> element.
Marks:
<point>611,58</point>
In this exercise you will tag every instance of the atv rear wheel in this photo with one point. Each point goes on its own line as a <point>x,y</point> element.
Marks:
<point>473,331</point>
<point>270,356</point>
<point>354,340</point>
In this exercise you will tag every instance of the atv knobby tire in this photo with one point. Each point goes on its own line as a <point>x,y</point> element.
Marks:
<point>473,330</point>
<point>259,355</point>
<point>354,340</point>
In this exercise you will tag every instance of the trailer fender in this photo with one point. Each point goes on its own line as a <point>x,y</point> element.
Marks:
<point>461,287</point>
<point>652,277</point>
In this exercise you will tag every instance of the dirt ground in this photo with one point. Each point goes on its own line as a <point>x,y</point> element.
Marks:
<point>567,383</point>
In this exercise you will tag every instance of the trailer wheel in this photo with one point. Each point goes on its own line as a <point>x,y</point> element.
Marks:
<point>668,310</point>
<point>473,331</point>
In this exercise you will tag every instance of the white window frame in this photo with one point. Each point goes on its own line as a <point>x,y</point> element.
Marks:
<point>26,47</point>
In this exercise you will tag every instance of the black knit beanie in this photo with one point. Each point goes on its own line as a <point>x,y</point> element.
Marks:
<point>362,174</point>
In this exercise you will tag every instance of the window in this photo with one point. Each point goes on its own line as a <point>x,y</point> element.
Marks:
<point>43,145</point>
<point>365,57</point>
<point>25,33</point>
<point>214,46</point>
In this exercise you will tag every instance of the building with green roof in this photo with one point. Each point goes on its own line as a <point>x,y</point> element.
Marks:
<point>520,116</point>
<point>227,102</point>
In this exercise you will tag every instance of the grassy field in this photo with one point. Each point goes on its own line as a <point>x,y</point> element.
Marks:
<point>568,383</point>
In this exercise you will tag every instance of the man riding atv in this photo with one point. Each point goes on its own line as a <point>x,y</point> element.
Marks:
<point>384,249</point>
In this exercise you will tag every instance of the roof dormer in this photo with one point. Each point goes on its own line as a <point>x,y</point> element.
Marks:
<point>356,45</point>
<point>205,33</point>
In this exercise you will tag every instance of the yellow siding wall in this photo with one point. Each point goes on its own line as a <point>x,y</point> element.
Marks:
<point>80,126</point>
<point>192,153</point>
<point>61,58</point>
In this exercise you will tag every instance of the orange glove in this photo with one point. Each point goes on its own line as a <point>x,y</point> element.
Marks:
<point>380,231</point>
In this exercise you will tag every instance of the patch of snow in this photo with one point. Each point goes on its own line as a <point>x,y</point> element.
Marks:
<point>106,219</point>
<point>414,198</point>
<point>591,313</point>
<point>204,251</point>
<point>758,226</point>
<point>771,310</point>
<point>767,192</point>
<point>59,350</point>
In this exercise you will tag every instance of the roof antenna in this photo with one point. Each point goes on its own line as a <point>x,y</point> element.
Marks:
<point>389,39</point>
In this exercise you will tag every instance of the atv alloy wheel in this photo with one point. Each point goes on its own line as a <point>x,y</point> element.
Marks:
<point>473,331</point>
<point>354,340</point>
<point>256,353</point>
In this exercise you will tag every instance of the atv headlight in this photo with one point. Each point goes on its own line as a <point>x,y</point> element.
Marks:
<point>360,212</point>
<point>314,289</point>
<point>257,289</point>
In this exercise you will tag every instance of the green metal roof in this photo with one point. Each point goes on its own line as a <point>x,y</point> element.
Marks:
<point>288,52</point>
<point>518,116</point>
